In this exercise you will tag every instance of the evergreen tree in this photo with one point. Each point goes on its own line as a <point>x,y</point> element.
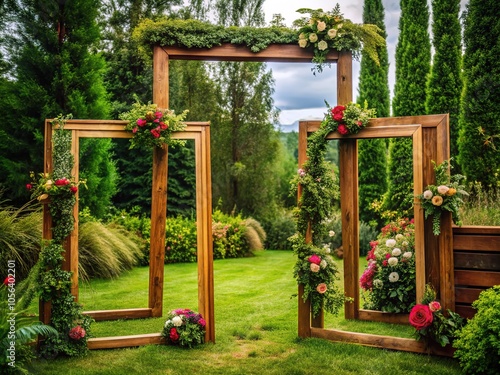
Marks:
<point>445,83</point>
<point>413,54</point>
<point>374,89</point>
<point>244,172</point>
<point>479,155</point>
<point>56,71</point>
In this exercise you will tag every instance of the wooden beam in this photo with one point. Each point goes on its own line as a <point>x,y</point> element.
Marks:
<point>124,341</point>
<point>234,52</point>
<point>99,315</point>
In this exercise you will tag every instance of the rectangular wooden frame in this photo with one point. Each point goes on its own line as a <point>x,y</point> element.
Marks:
<point>200,133</point>
<point>430,142</point>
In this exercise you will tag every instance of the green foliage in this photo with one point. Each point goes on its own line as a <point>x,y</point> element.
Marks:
<point>478,343</point>
<point>446,195</point>
<point>18,328</point>
<point>389,278</point>
<point>482,207</point>
<point>479,157</point>
<point>180,241</point>
<point>445,81</point>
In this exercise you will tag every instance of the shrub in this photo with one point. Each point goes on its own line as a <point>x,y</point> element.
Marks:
<point>478,343</point>
<point>278,230</point>
<point>228,233</point>
<point>255,235</point>
<point>180,242</point>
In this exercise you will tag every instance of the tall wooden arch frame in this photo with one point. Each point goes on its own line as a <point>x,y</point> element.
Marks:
<point>199,132</point>
<point>434,255</point>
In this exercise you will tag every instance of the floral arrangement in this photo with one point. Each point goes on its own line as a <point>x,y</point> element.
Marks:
<point>325,31</point>
<point>184,327</point>
<point>47,186</point>
<point>388,280</point>
<point>317,272</point>
<point>153,126</point>
<point>446,195</point>
<point>348,119</point>
<point>431,324</point>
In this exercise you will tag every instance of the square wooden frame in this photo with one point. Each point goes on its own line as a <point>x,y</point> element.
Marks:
<point>430,143</point>
<point>200,133</point>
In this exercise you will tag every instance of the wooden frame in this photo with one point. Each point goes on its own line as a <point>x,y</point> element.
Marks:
<point>430,142</point>
<point>200,133</point>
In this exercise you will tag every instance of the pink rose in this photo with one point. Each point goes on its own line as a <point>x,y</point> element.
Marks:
<point>314,267</point>
<point>421,316</point>
<point>77,333</point>
<point>155,133</point>
<point>435,306</point>
<point>158,114</point>
<point>342,129</point>
<point>314,259</point>
<point>202,322</point>
<point>134,130</point>
<point>321,288</point>
<point>141,122</point>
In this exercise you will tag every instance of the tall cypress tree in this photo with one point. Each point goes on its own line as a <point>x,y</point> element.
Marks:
<point>56,71</point>
<point>479,135</point>
<point>374,89</point>
<point>413,55</point>
<point>445,83</point>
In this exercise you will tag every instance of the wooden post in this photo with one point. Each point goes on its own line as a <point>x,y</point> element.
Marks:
<point>349,188</point>
<point>159,191</point>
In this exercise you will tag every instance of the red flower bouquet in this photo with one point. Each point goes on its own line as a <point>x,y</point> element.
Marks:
<point>184,327</point>
<point>348,119</point>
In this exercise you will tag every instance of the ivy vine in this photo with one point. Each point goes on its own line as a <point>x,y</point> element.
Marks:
<point>54,283</point>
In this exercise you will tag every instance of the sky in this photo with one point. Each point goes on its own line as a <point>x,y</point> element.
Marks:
<point>298,93</point>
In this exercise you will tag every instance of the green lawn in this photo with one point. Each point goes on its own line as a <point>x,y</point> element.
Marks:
<point>256,328</point>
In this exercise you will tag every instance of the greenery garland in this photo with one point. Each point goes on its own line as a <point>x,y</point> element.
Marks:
<point>198,34</point>
<point>54,283</point>
<point>315,269</point>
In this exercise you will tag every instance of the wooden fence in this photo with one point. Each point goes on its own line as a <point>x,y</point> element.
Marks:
<point>476,258</point>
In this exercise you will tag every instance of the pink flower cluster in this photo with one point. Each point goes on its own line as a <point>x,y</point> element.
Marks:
<point>77,333</point>
<point>155,119</point>
<point>314,264</point>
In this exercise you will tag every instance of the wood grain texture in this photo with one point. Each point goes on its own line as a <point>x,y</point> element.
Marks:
<point>124,341</point>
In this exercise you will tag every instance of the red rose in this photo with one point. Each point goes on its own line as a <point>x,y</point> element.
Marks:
<point>62,182</point>
<point>338,116</point>
<point>342,129</point>
<point>8,280</point>
<point>421,316</point>
<point>73,189</point>
<point>314,259</point>
<point>155,133</point>
<point>141,122</point>
<point>174,336</point>
<point>158,114</point>
<point>29,186</point>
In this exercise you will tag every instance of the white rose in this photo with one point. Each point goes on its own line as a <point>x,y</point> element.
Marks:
<point>393,277</point>
<point>377,283</point>
<point>331,233</point>
<point>396,252</point>
<point>167,323</point>
<point>443,189</point>
<point>321,25</point>
<point>390,242</point>
<point>322,45</point>
<point>313,38</point>
<point>407,255</point>
<point>332,33</point>
<point>399,237</point>
<point>323,264</point>
<point>302,43</point>
<point>177,321</point>
<point>392,261</point>
<point>428,194</point>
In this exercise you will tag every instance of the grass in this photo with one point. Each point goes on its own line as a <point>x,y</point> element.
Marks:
<point>256,328</point>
